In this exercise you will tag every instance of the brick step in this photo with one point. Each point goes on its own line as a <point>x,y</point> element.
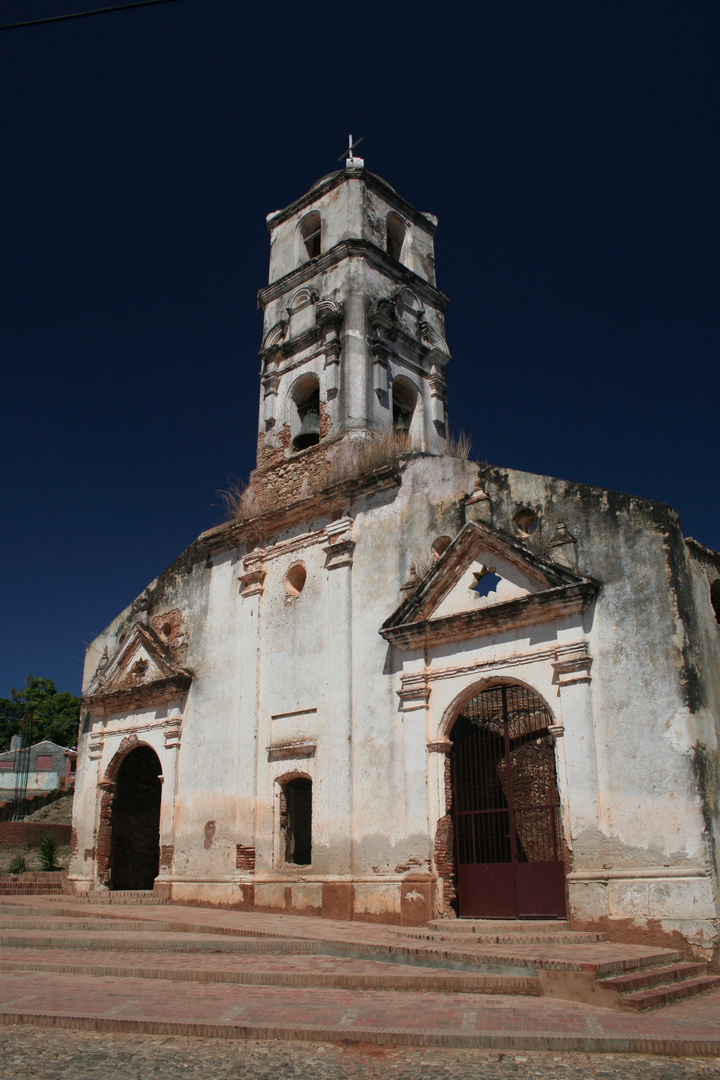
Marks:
<point>373,976</point>
<point>151,941</point>
<point>498,926</point>
<point>80,923</point>
<point>634,964</point>
<point>639,980</point>
<point>30,888</point>
<point>657,996</point>
<point>570,937</point>
<point>130,896</point>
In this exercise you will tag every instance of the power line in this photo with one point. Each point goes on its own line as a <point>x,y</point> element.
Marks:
<point>84,14</point>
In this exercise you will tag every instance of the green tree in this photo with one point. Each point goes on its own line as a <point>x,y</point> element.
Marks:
<point>55,715</point>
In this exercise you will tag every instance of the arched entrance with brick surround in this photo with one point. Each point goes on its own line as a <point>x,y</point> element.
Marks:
<point>505,807</point>
<point>129,835</point>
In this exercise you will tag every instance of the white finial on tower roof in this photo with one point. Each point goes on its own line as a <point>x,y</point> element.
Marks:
<point>352,162</point>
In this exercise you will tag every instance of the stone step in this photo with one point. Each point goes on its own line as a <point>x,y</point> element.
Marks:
<point>498,926</point>
<point>639,980</point>
<point>657,996</point>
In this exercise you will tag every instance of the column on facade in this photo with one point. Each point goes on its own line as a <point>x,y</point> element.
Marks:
<point>252,581</point>
<point>339,554</point>
<point>576,748</point>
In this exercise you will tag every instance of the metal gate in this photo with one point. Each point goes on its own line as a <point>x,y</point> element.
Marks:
<point>508,852</point>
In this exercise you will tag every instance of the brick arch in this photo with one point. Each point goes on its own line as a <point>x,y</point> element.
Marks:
<point>108,787</point>
<point>469,692</point>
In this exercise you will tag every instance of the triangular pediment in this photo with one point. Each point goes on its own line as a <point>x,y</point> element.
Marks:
<point>482,579</point>
<point>141,666</point>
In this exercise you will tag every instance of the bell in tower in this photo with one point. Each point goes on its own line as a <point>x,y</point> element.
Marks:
<point>309,414</point>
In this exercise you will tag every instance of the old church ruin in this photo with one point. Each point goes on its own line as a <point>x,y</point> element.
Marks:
<point>399,684</point>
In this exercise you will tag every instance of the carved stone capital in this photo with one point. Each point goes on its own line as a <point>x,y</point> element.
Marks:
<point>172,732</point>
<point>339,553</point>
<point>414,692</point>
<point>573,667</point>
<point>440,746</point>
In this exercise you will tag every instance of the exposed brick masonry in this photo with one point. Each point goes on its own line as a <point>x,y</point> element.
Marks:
<point>245,858</point>
<point>14,834</point>
<point>444,857</point>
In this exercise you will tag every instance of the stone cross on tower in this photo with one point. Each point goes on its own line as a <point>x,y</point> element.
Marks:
<point>352,162</point>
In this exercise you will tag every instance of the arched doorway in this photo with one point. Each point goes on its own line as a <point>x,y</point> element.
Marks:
<point>506,810</point>
<point>135,836</point>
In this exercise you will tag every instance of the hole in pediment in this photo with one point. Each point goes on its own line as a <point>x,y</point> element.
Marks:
<point>439,544</point>
<point>485,582</point>
<point>526,521</point>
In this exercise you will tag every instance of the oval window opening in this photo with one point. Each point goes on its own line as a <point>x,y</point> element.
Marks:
<point>295,579</point>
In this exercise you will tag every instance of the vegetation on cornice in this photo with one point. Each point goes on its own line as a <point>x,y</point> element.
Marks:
<point>350,459</point>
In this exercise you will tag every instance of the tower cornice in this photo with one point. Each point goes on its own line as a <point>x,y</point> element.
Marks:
<point>348,249</point>
<point>342,176</point>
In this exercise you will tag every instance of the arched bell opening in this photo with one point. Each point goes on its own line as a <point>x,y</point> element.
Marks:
<point>305,424</point>
<point>404,402</point>
<point>396,236</point>
<point>311,235</point>
<point>135,823</point>
<point>507,833</point>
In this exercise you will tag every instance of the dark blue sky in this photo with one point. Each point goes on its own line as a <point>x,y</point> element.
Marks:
<point>568,149</point>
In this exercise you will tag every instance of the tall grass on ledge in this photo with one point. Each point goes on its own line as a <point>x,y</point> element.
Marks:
<point>459,446</point>
<point>349,459</point>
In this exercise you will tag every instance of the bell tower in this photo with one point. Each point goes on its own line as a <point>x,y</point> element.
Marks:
<point>353,334</point>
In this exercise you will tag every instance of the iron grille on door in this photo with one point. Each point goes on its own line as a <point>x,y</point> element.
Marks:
<point>508,849</point>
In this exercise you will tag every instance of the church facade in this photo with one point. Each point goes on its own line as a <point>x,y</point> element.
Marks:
<point>399,684</point>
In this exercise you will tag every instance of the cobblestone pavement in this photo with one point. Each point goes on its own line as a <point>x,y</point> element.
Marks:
<point>30,1053</point>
